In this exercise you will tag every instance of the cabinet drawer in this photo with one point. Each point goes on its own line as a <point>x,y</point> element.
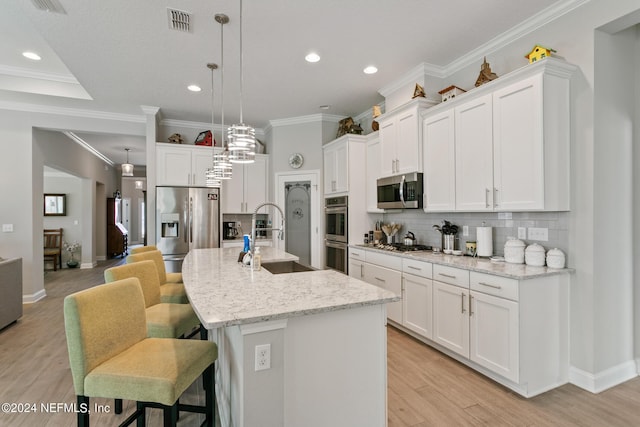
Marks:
<point>418,268</point>
<point>494,285</point>
<point>384,260</point>
<point>451,275</point>
<point>356,253</point>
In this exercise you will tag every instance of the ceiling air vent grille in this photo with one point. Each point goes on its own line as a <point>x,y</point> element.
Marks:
<point>49,5</point>
<point>179,20</point>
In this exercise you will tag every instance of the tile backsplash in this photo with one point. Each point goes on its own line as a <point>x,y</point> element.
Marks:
<point>421,224</point>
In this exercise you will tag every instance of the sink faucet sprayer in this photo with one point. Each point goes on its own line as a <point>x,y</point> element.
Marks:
<point>253,224</point>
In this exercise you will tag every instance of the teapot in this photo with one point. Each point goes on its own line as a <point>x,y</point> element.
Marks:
<point>409,239</point>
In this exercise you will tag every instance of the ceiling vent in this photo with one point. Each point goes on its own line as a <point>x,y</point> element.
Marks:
<point>178,19</point>
<point>49,5</point>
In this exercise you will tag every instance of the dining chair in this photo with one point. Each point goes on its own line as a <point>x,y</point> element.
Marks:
<point>53,247</point>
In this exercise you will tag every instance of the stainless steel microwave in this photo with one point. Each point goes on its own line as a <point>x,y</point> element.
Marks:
<point>400,191</point>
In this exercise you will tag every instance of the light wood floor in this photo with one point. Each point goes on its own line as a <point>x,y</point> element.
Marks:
<point>426,388</point>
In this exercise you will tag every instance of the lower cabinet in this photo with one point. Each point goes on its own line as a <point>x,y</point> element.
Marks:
<point>390,280</point>
<point>450,319</point>
<point>416,304</point>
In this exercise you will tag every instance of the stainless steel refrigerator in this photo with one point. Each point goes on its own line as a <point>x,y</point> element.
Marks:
<point>186,218</point>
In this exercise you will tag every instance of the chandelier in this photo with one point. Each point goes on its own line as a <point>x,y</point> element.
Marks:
<point>127,168</point>
<point>223,169</point>
<point>210,176</point>
<point>241,137</point>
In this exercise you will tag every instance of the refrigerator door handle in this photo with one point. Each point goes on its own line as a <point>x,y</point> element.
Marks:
<point>190,220</point>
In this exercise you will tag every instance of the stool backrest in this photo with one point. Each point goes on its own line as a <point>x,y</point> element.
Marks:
<point>145,272</point>
<point>100,323</point>
<point>140,249</point>
<point>155,256</point>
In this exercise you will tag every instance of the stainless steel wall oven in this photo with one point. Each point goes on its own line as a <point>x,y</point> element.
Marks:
<point>336,233</point>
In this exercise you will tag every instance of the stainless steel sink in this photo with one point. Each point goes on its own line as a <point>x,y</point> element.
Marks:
<point>281,267</point>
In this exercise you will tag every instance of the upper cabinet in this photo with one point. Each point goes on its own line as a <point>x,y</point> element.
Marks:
<point>182,165</point>
<point>336,167</point>
<point>511,142</point>
<point>374,163</point>
<point>247,188</point>
<point>400,138</point>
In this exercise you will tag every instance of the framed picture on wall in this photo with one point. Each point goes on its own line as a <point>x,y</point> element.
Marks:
<point>55,204</point>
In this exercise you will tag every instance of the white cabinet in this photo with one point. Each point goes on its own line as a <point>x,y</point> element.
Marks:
<point>401,138</point>
<point>474,155</point>
<point>248,186</point>
<point>511,139</point>
<point>439,163</point>
<point>390,280</point>
<point>417,304</point>
<point>494,336</point>
<point>336,167</point>
<point>183,165</point>
<point>374,165</point>
<point>450,309</point>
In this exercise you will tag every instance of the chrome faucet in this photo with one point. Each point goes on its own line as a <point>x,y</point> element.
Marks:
<point>253,224</point>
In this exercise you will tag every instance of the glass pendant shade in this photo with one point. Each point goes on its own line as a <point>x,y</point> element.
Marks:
<point>210,179</point>
<point>127,168</point>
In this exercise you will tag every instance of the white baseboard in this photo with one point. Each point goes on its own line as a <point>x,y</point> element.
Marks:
<point>101,258</point>
<point>596,383</point>
<point>30,299</point>
<point>86,265</point>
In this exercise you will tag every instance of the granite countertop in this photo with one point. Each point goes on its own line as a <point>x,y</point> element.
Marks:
<point>481,265</point>
<point>224,293</point>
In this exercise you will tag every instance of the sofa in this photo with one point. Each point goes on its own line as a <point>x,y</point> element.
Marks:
<point>10,291</point>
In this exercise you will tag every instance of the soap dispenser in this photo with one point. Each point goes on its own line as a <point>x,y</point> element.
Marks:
<point>257,259</point>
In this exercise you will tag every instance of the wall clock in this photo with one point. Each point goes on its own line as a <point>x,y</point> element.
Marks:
<point>296,160</point>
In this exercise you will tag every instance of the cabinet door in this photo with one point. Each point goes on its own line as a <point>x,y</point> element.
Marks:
<point>233,191</point>
<point>356,268</point>
<point>255,183</point>
<point>474,155</point>
<point>373,173</point>
<point>494,334</point>
<point>408,150</point>
<point>174,166</point>
<point>518,155</point>
<point>341,159</point>
<point>439,163</point>
<point>417,304</point>
<point>388,141</point>
<point>390,280</point>
<point>201,160</point>
<point>329,171</point>
<point>450,317</point>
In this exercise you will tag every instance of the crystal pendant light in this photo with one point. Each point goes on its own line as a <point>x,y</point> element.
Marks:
<point>127,168</point>
<point>221,164</point>
<point>241,137</point>
<point>210,175</point>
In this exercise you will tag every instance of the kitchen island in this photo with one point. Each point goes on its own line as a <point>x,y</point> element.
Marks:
<point>323,332</point>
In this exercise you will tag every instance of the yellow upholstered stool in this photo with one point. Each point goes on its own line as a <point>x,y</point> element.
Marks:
<point>164,320</point>
<point>140,249</point>
<point>111,356</point>
<point>171,286</point>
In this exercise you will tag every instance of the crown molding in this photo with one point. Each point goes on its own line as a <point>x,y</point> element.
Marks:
<point>73,112</point>
<point>417,73</point>
<point>529,25</point>
<point>33,74</point>
<point>148,109</point>
<point>312,118</point>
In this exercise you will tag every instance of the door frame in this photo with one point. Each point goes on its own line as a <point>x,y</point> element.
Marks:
<point>317,227</point>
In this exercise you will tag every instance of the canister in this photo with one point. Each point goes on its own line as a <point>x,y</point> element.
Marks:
<point>534,255</point>
<point>514,251</point>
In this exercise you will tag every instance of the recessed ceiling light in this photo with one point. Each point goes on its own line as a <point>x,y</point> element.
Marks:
<point>194,88</point>
<point>370,70</point>
<point>312,57</point>
<point>31,55</point>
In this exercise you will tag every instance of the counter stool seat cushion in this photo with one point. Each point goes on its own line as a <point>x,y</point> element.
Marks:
<point>153,370</point>
<point>171,286</point>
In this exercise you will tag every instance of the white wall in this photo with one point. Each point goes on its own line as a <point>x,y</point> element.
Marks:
<point>22,172</point>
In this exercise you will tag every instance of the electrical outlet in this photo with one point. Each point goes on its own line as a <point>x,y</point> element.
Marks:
<point>263,357</point>
<point>540,234</point>
<point>465,230</point>
<point>238,224</point>
<point>522,232</point>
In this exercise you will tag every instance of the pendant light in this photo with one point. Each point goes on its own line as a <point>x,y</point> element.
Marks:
<point>127,168</point>
<point>210,177</point>
<point>241,137</point>
<point>221,164</point>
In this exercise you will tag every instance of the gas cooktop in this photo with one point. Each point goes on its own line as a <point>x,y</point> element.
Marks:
<point>399,247</point>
